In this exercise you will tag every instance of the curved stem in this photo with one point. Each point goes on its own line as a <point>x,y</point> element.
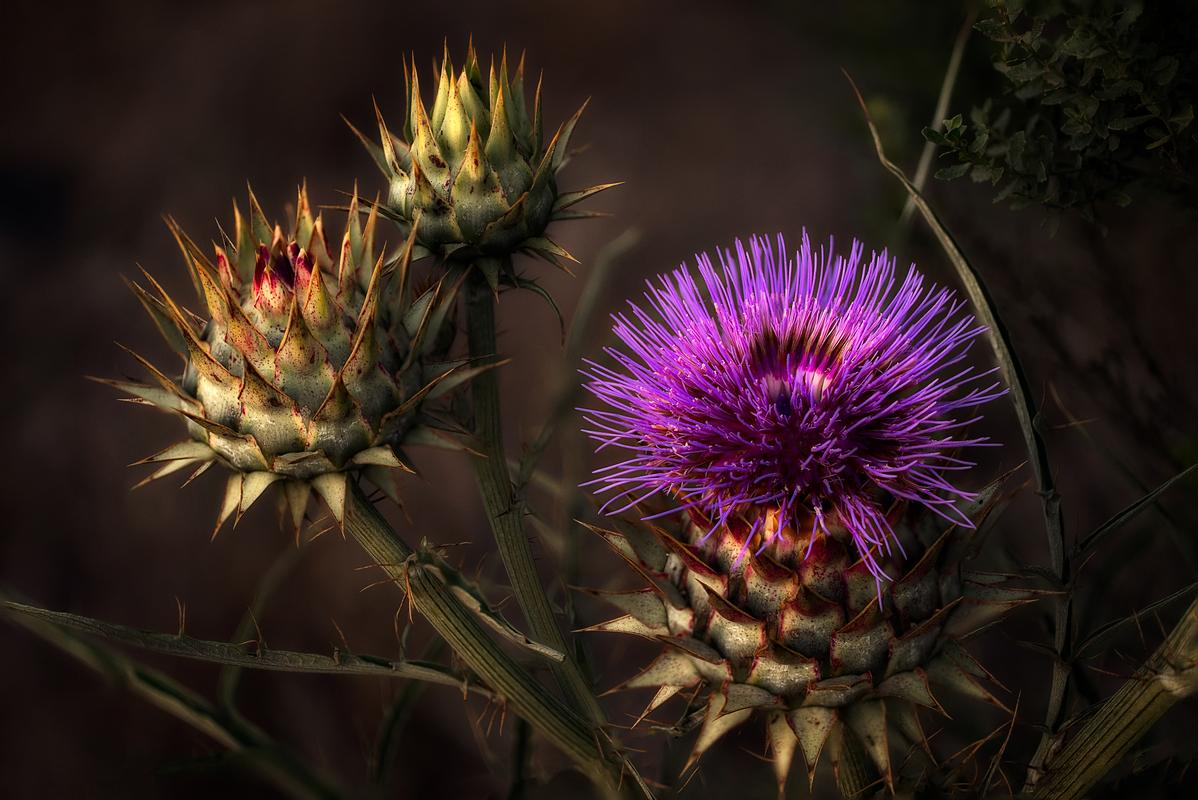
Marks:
<point>946,92</point>
<point>1024,402</point>
<point>503,509</point>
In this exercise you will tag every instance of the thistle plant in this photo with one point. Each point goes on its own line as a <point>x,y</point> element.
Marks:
<point>309,366</point>
<point>786,389</point>
<point>799,417</point>
<point>474,173</point>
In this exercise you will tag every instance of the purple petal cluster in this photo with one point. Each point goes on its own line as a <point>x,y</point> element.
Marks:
<point>790,388</point>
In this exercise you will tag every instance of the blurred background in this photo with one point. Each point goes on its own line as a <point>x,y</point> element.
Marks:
<point>724,119</point>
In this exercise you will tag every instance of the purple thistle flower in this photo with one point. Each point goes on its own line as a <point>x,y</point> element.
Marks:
<point>790,389</point>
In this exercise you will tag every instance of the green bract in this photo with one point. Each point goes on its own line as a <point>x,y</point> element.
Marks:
<point>310,366</point>
<point>476,171</point>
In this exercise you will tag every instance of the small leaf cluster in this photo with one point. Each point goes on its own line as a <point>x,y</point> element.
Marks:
<point>1099,98</point>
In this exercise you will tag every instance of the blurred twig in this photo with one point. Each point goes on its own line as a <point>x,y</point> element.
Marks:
<point>576,340</point>
<point>938,116</point>
<point>386,746</point>
<point>566,488</point>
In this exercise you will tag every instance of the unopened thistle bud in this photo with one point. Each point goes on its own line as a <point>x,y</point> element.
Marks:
<point>313,363</point>
<point>475,169</point>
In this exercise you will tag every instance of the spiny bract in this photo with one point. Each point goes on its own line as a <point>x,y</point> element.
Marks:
<point>475,172</point>
<point>798,630</point>
<point>307,369</point>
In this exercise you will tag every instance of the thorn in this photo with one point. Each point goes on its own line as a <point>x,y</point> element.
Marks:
<point>341,633</point>
<point>260,642</point>
<point>373,584</point>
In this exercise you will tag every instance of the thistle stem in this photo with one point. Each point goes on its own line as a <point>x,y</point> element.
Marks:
<point>1170,675</point>
<point>503,509</point>
<point>577,738</point>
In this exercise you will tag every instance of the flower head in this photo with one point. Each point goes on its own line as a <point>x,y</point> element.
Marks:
<point>793,392</point>
<point>474,167</point>
<point>308,369</point>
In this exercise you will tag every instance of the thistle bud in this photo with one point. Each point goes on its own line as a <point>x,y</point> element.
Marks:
<point>475,170</point>
<point>303,373</point>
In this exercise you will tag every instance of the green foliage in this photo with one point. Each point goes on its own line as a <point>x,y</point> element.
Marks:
<point>1098,98</point>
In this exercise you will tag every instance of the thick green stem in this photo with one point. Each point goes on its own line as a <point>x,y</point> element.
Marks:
<point>1170,675</point>
<point>576,737</point>
<point>495,485</point>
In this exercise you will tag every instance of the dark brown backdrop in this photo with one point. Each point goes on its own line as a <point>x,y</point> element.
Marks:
<point>724,119</point>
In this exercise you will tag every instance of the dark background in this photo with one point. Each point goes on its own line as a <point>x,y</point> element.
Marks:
<point>725,119</point>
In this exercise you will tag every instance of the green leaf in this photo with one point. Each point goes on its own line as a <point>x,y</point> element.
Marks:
<point>1165,70</point>
<point>1023,72</point>
<point>994,29</point>
<point>1127,123</point>
<point>1181,120</point>
<point>935,137</point>
<point>1081,44</point>
<point>955,171</point>
<point>986,172</point>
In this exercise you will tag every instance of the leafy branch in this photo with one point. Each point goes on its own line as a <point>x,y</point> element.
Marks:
<point>1097,96</point>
